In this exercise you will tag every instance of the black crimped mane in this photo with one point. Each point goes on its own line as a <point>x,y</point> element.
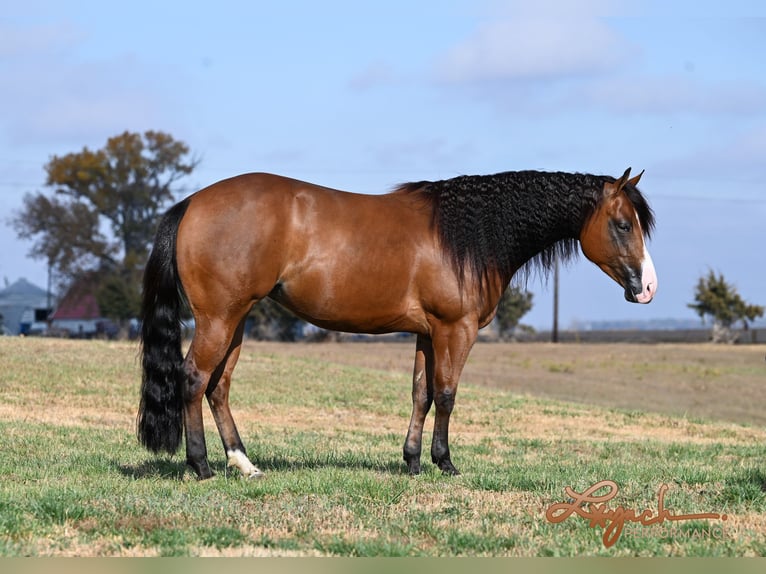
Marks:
<point>503,222</point>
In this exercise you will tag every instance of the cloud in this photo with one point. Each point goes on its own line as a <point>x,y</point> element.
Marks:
<point>672,94</point>
<point>18,42</point>
<point>533,49</point>
<point>58,96</point>
<point>374,75</point>
<point>429,153</point>
<point>735,161</point>
<point>537,65</point>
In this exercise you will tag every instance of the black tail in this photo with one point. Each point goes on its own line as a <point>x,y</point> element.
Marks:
<point>160,415</point>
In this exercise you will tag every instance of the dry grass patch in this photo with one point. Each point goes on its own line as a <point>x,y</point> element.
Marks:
<point>326,422</point>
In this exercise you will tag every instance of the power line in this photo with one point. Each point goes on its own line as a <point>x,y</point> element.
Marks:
<point>653,197</point>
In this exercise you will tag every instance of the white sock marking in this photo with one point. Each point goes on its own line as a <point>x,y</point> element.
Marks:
<point>239,459</point>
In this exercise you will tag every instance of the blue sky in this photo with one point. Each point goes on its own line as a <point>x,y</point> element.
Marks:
<point>364,95</point>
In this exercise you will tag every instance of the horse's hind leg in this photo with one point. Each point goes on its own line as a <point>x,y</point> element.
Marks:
<point>218,399</point>
<point>196,449</point>
<point>204,365</point>
<point>422,398</point>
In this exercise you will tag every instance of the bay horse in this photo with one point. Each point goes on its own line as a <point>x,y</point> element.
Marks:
<point>429,258</point>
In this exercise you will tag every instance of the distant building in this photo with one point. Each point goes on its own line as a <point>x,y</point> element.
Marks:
<point>24,309</point>
<point>79,315</point>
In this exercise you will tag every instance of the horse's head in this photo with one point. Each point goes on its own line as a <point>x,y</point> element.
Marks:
<point>614,236</point>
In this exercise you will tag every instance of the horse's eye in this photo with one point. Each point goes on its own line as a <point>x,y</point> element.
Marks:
<point>624,226</point>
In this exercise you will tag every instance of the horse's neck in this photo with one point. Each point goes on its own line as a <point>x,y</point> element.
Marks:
<point>542,223</point>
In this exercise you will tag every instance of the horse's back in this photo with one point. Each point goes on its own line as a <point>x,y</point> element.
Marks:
<point>260,205</point>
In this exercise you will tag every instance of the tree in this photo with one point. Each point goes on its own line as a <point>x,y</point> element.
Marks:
<point>117,298</point>
<point>67,235</point>
<point>715,297</point>
<point>123,187</point>
<point>514,304</point>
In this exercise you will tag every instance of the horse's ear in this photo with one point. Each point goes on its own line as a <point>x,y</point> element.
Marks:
<point>634,181</point>
<point>612,189</point>
<point>620,183</point>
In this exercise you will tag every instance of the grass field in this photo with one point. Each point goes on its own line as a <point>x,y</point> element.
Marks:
<point>326,422</point>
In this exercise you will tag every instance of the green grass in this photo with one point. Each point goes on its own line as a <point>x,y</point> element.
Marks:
<point>75,482</point>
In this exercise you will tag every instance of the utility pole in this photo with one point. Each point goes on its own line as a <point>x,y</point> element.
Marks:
<point>555,330</point>
<point>48,294</point>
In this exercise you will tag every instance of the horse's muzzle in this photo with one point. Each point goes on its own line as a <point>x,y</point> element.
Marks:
<point>640,285</point>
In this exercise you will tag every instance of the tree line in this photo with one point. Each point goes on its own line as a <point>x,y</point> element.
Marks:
<point>95,225</point>
<point>97,220</point>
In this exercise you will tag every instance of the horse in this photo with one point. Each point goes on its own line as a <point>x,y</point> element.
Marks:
<point>431,258</point>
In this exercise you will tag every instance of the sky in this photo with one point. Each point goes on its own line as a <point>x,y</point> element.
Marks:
<point>362,96</point>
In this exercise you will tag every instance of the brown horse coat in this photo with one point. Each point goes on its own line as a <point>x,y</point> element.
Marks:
<point>431,258</point>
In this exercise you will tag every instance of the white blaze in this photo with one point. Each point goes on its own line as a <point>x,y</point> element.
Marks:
<point>648,274</point>
<point>648,279</point>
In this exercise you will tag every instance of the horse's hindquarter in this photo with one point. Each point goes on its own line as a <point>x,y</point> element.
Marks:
<point>340,260</point>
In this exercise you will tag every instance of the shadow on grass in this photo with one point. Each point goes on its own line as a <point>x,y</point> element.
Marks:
<point>175,469</point>
<point>277,463</point>
<point>747,485</point>
<point>154,468</point>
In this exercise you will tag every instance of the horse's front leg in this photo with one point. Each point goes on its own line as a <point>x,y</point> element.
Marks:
<point>422,398</point>
<point>451,346</point>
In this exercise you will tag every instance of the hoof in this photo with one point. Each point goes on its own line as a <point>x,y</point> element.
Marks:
<point>448,468</point>
<point>413,469</point>
<point>413,461</point>
<point>239,460</point>
<point>201,470</point>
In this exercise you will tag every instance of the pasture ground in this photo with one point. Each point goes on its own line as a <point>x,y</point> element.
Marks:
<point>326,422</point>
